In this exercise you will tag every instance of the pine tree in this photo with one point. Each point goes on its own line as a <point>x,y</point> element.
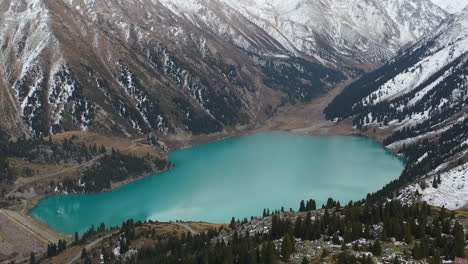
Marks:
<point>310,205</point>
<point>252,259</point>
<point>232,225</point>
<point>446,226</point>
<point>376,248</point>
<point>436,258</point>
<point>417,252</point>
<point>298,227</point>
<point>459,241</point>
<point>84,253</point>
<point>348,234</point>
<point>336,239</point>
<point>32,258</point>
<point>302,207</point>
<point>287,246</point>
<point>268,252</point>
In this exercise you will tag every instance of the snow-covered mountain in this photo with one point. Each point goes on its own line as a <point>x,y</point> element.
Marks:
<point>423,96</point>
<point>331,31</point>
<point>135,66</point>
<point>451,6</point>
<point>186,66</point>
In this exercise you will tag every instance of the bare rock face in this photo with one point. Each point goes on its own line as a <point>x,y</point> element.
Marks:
<point>131,67</point>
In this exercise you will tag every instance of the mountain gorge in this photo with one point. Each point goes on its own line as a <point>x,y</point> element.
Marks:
<point>178,67</point>
<point>97,95</point>
<point>421,96</point>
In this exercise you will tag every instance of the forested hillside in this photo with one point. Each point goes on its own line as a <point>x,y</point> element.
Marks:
<point>91,168</point>
<point>391,233</point>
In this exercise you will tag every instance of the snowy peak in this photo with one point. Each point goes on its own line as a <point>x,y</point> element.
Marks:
<point>331,31</point>
<point>451,6</point>
<point>409,78</point>
<point>191,66</point>
<point>442,47</point>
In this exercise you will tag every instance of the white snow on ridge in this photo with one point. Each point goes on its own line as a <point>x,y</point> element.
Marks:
<point>447,43</point>
<point>32,31</point>
<point>451,6</point>
<point>348,24</point>
<point>419,73</point>
<point>409,141</point>
<point>350,28</point>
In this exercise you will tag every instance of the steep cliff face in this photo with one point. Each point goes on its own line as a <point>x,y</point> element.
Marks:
<point>194,66</point>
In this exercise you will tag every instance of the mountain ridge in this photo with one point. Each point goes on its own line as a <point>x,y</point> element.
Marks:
<point>421,98</point>
<point>178,67</point>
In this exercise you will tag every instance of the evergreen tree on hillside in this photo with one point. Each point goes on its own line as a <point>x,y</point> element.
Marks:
<point>459,241</point>
<point>32,258</point>
<point>302,207</point>
<point>298,227</point>
<point>311,205</point>
<point>287,246</point>
<point>84,253</point>
<point>232,225</point>
<point>376,248</point>
<point>268,252</point>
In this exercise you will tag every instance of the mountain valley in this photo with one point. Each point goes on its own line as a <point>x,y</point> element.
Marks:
<point>96,94</point>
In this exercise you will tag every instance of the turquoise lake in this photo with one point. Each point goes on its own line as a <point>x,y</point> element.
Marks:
<point>235,177</point>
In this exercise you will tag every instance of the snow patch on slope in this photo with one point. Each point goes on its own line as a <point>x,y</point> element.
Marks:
<point>420,72</point>
<point>30,21</point>
<point>324,29</point>
<point>450,193</point>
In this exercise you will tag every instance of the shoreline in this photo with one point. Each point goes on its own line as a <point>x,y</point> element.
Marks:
<point>304,119</point>
<point>206,139</point>
<point>33,203</point>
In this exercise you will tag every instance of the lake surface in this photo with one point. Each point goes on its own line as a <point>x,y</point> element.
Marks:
<point>235,177</point>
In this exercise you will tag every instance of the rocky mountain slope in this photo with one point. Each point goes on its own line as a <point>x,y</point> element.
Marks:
<point>422,95</point>
<point>451,6</point>
<point>344,31</point>
<point>131,67</point>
